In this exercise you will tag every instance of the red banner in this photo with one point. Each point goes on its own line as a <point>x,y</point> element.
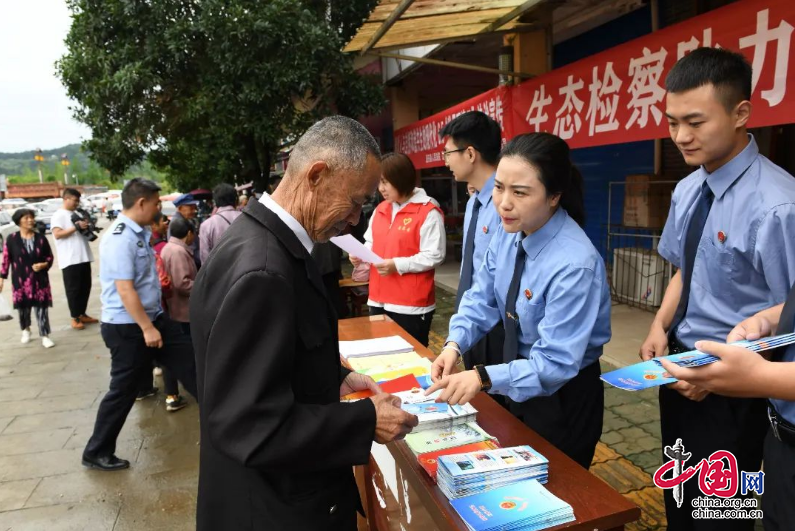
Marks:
<point>618,95</point>
<point>421,142</point>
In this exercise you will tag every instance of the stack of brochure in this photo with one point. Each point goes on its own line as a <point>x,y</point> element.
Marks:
<point>432,415</point>
<point>526,505</point>
<point>461,475</point>
<point>424,441</point>
<point>430,460</point>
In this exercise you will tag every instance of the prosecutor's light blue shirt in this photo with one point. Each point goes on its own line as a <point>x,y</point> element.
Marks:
<point>125,254</point>
<point>745,260</point>
<point>563,307</point>
<point>786,408</point>
<point>488,223</point>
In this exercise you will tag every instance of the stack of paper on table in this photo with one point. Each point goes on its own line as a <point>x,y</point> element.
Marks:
<point>421,442</point>
<point>526,505</point>
<point>418,368</point>
<point>374,347</point>
<point>430,460</point>
<point>469,473</point>
<point>432,415</point>
<point>384,362</point>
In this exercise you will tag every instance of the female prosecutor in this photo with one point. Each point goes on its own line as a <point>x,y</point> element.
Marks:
<point>543,277</point>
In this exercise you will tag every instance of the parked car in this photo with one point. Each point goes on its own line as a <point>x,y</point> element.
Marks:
<point>7,227</point>
<point>45,210</point>
<point>10,205</point>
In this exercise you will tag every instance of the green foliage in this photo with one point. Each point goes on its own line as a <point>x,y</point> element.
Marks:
<point>22,168</point>
<point>210,89</point>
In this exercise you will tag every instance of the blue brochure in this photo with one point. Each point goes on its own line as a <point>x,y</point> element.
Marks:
<point>652,374</point>
<point>524,505</point>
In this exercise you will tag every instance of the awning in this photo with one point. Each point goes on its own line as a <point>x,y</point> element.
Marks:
<point>395,24</point>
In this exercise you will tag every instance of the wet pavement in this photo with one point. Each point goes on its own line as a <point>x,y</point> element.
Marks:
<point>48,404</point>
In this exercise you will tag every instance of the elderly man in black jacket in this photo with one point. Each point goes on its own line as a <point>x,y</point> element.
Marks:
<point>277,446</point>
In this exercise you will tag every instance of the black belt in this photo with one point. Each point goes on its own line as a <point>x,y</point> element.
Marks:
<point>674,345</point>
<point>782,430</point>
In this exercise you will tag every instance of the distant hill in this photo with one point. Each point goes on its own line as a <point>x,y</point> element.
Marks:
<point>19,163</point>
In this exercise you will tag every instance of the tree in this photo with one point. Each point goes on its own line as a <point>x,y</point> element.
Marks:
<point>210,89</point>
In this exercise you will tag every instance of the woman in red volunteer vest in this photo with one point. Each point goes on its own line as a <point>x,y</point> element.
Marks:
<point>407,230</point>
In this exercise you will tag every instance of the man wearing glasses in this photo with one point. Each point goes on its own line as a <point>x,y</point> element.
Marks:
<point>472,144</point>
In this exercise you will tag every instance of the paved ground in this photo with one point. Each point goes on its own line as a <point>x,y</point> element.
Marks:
<point>49,398</point>
<point>48,403</point>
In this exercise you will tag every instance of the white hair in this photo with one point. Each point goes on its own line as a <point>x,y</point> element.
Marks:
<point>343,143</point>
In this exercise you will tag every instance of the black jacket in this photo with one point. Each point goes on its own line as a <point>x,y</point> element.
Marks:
<point>277,446</point>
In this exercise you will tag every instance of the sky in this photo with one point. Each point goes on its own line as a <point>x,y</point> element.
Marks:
<point>34,108</point>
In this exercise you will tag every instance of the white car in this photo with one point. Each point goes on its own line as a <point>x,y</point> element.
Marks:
<point>7,227</point>
<point>10,205</point>
<point>168,208</point>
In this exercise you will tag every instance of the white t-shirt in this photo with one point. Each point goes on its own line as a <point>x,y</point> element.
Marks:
<point>74,248</point>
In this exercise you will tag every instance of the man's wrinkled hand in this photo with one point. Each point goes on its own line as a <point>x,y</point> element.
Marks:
<point>358,382</point>
<point>392,423</point>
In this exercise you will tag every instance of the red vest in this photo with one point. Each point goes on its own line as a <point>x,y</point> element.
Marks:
<point>401,238</point>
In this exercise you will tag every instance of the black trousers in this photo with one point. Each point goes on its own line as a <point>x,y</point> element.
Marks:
<point>131,361</point>
<point>778,501</point>
<point>418,326</point>
<point>716,423</point>
<point>488,351</point>
<point>77,283</point>
<point>571,418</point>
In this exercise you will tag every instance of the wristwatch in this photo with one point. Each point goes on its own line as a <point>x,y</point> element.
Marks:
<point>483,374</point>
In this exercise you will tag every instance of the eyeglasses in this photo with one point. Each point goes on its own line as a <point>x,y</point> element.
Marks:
<point>446,154</point>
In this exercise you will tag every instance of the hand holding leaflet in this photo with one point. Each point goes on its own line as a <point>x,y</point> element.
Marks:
<point>354,247</point>
<point>652,374</point>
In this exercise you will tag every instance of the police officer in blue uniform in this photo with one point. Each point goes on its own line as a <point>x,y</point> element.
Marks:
<point>472,145</point>
<point>134,327</point>
<point>545,280</point>
<point>730,232</point>
<point>743,373</point>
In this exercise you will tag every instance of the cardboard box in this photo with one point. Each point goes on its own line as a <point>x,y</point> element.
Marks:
<point>646,202</point>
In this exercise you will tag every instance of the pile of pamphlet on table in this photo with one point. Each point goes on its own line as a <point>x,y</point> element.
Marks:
<point>472,472</point>
<point>525,506</point>
<point>491,488</point>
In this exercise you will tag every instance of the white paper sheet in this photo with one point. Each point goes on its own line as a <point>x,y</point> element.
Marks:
<point>374,347</point>
<point>354,247</point>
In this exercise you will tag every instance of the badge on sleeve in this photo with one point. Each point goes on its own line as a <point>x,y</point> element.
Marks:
<point>119,228</point>
<point>140,243</point>
<point>721,236</point>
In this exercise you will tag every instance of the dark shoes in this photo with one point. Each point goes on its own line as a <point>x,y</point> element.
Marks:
<point>146,393</point>
<point>175,403</point>
<point>106,463</point>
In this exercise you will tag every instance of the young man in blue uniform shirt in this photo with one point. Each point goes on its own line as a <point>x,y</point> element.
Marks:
<point>743,373</point>
<point>730,232</point>
<point>472,145</point>
<point>134,327</point>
